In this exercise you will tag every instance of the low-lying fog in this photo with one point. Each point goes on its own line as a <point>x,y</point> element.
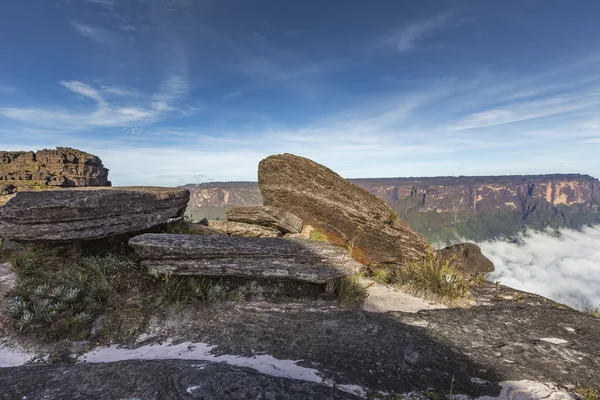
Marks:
<point>563,266</point>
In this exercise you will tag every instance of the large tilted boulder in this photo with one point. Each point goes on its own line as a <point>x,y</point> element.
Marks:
<point>231,228</point>
<point>237,257</point>
<point>346,214</point>
<point>271,217</point>
<point>88,213</point>
<point>467,257</point>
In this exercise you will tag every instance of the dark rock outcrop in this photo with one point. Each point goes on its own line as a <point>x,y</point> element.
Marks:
<point>7,189</point>
<point>88,213</point>
<point>346,214</point>
<point>62,167</point>
<point>274,258</point>
<point>240,229</point>
<point>157,379</point>
<point>272,217</point>
<point>467,257</point>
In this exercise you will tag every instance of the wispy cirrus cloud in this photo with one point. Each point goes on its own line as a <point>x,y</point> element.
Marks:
<point>105,113</point>
<point>100,35</point>
<point>527,110</point>
<point>408,37</point>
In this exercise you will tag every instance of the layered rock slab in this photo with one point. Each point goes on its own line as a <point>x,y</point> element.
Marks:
<point>61,167</point>
<point>347,214</point>
<point>240,229</point>
<point>271,217</point>
<point>88,213</point>
<point>223,256</point>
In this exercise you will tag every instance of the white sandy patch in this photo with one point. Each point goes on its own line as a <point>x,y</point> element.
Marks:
<point>529,390</point>
<point>192,389</point>
<point>384,298</point>
<point>262,363</point>
<point>14,357</point>
<point>554,340</point>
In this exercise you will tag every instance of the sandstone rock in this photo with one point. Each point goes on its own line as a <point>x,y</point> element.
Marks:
<point>62,167</point>
<point>199,229</point>
<point>271,258</point>
<point>347,214</point>
<point>467,257</point>
<point>231,228</point>
<point>272,217</point>
<point>88,213</point>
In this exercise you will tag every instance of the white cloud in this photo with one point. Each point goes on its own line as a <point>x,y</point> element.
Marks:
<point>120,91</point>
<point>407,38</point>
<point>522,111</point>
<point>98,34</point>
<point>105,113</point>
<point>563,266</point>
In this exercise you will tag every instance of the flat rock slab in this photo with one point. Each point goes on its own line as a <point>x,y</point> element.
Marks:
<point>270,258</point>
<point>272,217</point>
<point>348,215</point>
<point>241,229</point>
<point>88,213</point>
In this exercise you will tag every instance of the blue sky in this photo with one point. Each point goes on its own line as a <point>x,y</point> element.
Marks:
<point>169,92</point>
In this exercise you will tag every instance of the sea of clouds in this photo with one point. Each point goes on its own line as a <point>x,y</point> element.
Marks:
<point>562,265</point>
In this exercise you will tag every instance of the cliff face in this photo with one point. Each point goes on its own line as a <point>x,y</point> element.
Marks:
<point>486,194</point>
<point>63,167</point>
<point>439,194</point>
<point>442,208</point>
<point>223,194</point>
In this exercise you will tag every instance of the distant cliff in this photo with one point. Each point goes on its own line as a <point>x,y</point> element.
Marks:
<point>442,207</point>
<point>62,167</point>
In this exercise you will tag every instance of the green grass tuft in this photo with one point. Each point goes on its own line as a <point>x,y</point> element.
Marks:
<point>587,393</point>
<point>180,290</point>
<point>350,292</point>
<point>432,277</point>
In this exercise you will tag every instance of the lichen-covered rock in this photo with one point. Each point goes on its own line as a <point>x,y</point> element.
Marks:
<point>222,256</point>
<point>241,229</point>
<point>346,214</point>
<point>88,213</point>
<point>271,217</point>
<point>62,167</point>
<point>467,257</point>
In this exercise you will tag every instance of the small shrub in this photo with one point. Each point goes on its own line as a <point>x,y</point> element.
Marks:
<point>431,276</point>
<point>350,292</point>
<point>318,236</point>
<point>587,393</point>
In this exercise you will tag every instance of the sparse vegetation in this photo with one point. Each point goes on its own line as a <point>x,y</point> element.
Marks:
<point>56,297</point>
<point>358,232</point>
<point>587,393</point>
<point>350,292</point>
<point>431,277</point>
<point>593,311</point>
<point>180,290</point>
<point>318,236</point>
